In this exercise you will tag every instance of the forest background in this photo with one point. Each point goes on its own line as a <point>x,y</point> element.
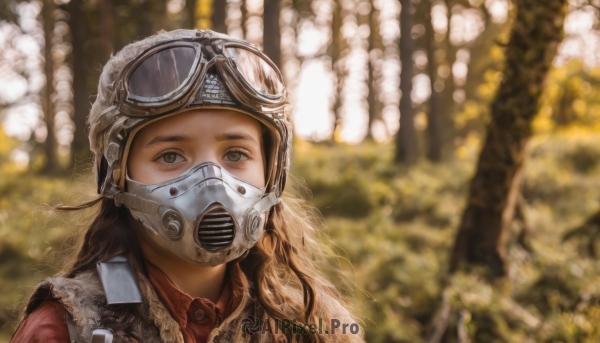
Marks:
<point>464,211</point>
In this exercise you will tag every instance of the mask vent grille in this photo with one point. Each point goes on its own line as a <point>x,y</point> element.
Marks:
<point>216,229</point>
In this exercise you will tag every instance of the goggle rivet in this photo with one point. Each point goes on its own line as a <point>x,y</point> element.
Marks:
<point>173,191</point>
<point>242,190</point>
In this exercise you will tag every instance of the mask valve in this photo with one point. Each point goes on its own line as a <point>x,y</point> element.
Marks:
<point>172,224</point>
<point>216,229</point>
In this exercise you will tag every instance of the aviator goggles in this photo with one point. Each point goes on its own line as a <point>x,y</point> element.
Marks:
<point>168,77</point>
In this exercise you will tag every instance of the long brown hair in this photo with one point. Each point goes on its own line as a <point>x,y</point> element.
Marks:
<point>107,236</point>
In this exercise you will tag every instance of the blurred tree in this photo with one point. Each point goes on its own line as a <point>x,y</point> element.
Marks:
<point>483,231</point>
<point>6,12</point>
<point>481,61</point>
<point>244,17</point>
<point>406,149</point>
<point>335,48</point>
<point>145,18</point>
<point>447,99</point>
<point>219,16</point>
<point>374,50</point>
<point>108,32</point>
<point>80,145</point>
<point>209,14</point>
<point>271,31</point>
<point>190,18</point>
<point>572,97</point>
<point>483,58</point>
<point>51,165</point>
<point>435,113</point>
<point>564,113</point>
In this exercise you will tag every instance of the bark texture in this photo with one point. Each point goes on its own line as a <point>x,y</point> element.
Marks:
<point>375,46</point>
<point>51,165</point>
<point>405,140</point>
<point>190,7</point>
<point>271,31</point>
<point>145,19</point>
<point>107,29</point>
<point>483,231</point>
<point>81,102</point>
<point>219,16</point>
<point>338,44</point>
<point>434,116</point>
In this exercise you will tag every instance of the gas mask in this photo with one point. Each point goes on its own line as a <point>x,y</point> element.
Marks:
<point>205,216</point>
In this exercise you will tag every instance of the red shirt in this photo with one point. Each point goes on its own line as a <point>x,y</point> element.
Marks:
<point>196,316</point>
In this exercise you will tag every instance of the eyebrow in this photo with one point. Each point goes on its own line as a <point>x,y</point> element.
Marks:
<point>235,136</point>
<point>171,138</point>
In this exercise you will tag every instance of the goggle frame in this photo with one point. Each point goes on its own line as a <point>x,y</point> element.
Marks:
<point>240,88</point>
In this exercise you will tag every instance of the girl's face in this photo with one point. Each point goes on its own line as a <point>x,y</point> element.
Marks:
<point>170,146</point>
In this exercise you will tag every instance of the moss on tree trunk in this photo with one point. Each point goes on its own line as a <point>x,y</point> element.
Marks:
<point>483,231</point>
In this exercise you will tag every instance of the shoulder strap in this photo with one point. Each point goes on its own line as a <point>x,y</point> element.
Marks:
<point>119,282</point>
<point>71,328</point>
<point>120,287</point>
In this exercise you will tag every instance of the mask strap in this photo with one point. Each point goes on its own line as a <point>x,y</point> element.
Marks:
<point>266,202</point>
<point>134,202</point>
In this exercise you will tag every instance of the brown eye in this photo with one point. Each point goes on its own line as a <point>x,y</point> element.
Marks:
<point>169,157</point>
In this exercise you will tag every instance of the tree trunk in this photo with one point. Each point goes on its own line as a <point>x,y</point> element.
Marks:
<point>271,31</point>
<point>405,140</point>
<point>335,50</point>
<point>374,110</point>
<point>244,17</point>
<point>145,19</point>
<point>483,231</point>
<point>449,87</point>
<point>107,29</point>
<point>219,16</point>
<point>434,117</point>
<point>80,145</point>
<point>50,166</point>
<point>190,8</point>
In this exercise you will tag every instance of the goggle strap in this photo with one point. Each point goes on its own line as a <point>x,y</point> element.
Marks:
<point>108,116</point>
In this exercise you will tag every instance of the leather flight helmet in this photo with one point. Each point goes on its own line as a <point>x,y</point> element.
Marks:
<point>217,72</point>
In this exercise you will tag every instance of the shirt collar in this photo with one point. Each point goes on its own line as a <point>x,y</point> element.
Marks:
<point>178,302</point>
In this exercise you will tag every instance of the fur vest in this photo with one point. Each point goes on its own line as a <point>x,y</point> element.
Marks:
<point>84,299</point>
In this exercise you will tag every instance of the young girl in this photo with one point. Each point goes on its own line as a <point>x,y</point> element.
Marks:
<point>193,241</point>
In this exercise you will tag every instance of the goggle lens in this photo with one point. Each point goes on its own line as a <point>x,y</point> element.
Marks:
<point>162,73</point>
<point>259,74</point>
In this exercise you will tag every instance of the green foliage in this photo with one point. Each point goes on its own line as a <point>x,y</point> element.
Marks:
<point>393,227</point>
<point>397,224</point>
<point>571,98</point>
<point>30,234</point>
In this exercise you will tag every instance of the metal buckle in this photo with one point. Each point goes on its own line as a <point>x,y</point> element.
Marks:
<point>101,335</point>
